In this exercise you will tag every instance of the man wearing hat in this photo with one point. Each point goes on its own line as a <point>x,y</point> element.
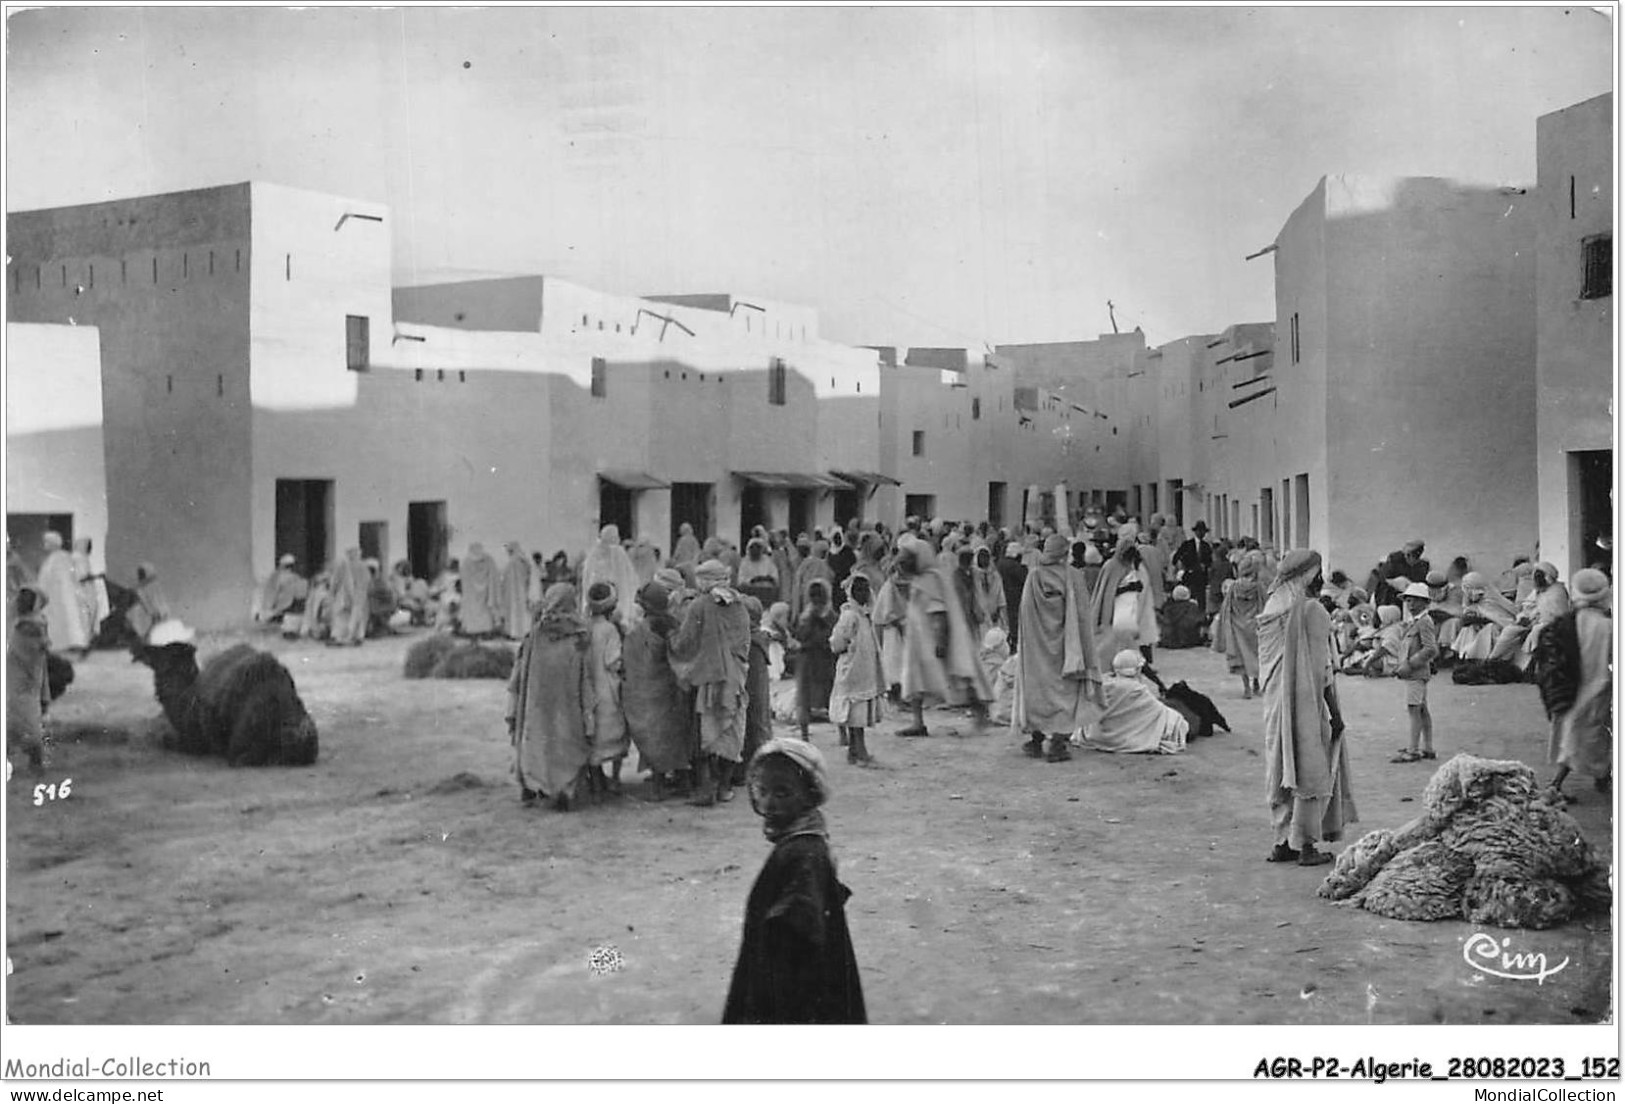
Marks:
<point>1399,571</point>
<point>1194,560</point>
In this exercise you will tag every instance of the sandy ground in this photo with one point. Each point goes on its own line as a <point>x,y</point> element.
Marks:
<point>400,881</point>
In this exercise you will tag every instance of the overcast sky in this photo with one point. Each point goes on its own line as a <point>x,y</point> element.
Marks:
<point>922,176</point>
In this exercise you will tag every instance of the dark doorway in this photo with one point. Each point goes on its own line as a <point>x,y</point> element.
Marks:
<point>304,521</point>
<point>995,503</point>
<point>920,506</point>
<point>615,508</point>
<point>1176,500</point>
<point>1595,471</point>
<point>427,538</point>
<point>802,506</point>
<point>691,502</point>
<point>27,534</point>
<point>848,506</point>
<point>375,542</point>
<point>752,512</point>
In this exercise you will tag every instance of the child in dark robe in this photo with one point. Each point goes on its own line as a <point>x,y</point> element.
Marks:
<point>815,664</point>
<point>796,963</point>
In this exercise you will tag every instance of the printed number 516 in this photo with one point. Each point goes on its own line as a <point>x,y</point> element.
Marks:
<point>52,792</point>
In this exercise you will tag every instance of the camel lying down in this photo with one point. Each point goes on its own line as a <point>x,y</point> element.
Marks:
<point>242,706</point>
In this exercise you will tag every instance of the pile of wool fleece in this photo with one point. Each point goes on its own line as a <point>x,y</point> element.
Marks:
<point>443,656</point>
<point>1489,847</point>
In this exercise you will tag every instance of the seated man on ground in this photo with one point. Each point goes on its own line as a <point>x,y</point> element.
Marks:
<point>1135,721</point>
<point>1182,620</point>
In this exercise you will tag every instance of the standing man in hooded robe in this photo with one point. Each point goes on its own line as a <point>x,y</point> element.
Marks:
<point>60,584</point>
<point>1306,760</point>
<point>608,562</point>
<point>1121,603</point>
<point>350,603</point>
<point>515,593</point>
<point>687,550</point>
<point>941,658</point>
<point>711,653</point>
<point>480,613</point>
<point>1057,667</point>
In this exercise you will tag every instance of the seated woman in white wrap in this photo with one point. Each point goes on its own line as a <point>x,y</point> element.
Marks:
<point>1135,720</point>
<point>1485,613</point>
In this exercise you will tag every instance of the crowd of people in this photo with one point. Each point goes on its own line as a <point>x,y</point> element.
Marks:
<point>691,657</point>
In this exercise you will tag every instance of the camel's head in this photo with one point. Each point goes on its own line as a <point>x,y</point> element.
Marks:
<point>299,741</point>
<point>166,659</point>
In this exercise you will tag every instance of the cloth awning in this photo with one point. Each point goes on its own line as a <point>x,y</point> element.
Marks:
<point>793,481</point>
<point>634,480</point>
<point>874,479</point>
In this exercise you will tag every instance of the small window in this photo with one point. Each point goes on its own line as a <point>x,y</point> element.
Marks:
<point>919,442</point>
<point>356,356</point>
<point>599,385</point>
<point>462,376</point>
<point>1597,253</point>
<point>976,409</point>
<point>417,374</point>
<point>775,382</point>
<point>1297,347</point>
